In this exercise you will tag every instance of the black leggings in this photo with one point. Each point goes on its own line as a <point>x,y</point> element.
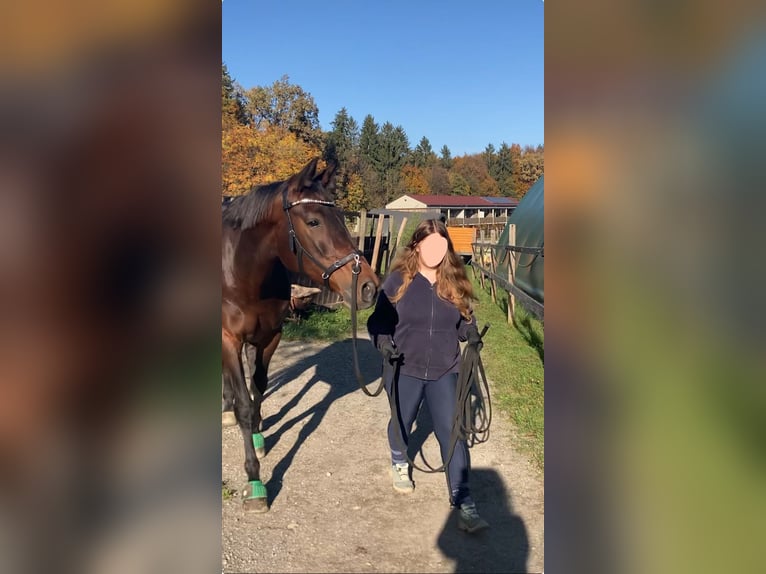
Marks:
<point>440,396</point>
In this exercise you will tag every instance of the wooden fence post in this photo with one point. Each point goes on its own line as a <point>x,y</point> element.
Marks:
<point>394,248</point>
<point>376,249</point>
<point>362,228</point>
<point>512,273</point>
<point>493,268</point>
<point>481,262</point>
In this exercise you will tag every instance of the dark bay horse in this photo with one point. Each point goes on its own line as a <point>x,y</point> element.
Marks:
<point>287,225</point>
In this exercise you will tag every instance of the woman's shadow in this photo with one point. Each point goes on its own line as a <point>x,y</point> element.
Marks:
<point>504,547</point>
<point>333,367</point>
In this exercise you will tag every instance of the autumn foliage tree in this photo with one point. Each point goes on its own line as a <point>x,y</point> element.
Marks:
<point>271,132</point>
<point>253,157</point>
<point>415,180</point>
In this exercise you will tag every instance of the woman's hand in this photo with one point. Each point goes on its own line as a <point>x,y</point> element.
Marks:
<point>389,352</point>
<point>473,337</point>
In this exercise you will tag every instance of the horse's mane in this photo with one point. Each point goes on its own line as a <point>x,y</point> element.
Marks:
<point>245,211</point>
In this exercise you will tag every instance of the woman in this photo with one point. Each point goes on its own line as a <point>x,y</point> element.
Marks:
<point>423,311</point>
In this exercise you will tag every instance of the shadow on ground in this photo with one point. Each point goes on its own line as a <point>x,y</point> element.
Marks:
<point>504,547</point>
<point>333,369</point>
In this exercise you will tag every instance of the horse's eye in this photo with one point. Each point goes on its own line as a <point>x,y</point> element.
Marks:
<point>313,222</point>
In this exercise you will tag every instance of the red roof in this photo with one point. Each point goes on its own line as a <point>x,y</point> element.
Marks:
<point>463,201</point>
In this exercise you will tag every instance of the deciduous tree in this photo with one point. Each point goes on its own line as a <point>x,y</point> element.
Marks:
<point>286,106</point>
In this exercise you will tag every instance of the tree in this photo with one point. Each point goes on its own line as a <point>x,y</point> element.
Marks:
<point>490,158</point>
<point>354,198</point>
<point>232,101</point>
<point>392,153</point>
<point>458,184</point>
<point>342,145</point>
<point>530,169</point>
<point>473,170</point>
<point>343,138</point>
<point>438,180</point>
<point>515,154</point>
<point>253,157</point>
<point>423,155</point>
<point>446,157</point>
<point>286,106</point>
<point>369,150</point>
<point>415,180</point>
<point>369,141</point>
<point>504,171</point>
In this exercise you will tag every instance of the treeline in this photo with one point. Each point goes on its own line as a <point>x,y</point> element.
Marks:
<point>269,132</point>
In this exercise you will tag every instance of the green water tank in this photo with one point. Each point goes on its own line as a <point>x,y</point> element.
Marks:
<point>528,218</point>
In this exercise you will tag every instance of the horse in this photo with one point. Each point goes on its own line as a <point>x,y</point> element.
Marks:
<point>289,225</point>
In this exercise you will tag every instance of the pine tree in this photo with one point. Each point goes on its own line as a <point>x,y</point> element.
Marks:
<point>504,171</point>
<point>369,150</point>
<point>490,158</point>
<point>393,152</point>
<point>232,101</point>
<point>342,145</point>
<point>368,140</point>
<point>446,158</point>
<point>423,155</point>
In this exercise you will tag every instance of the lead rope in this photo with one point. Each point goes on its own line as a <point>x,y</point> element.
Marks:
<point>472,418</point>
<point>355,270</point>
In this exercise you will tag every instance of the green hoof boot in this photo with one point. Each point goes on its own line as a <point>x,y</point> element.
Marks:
<point>254,497</point>
<point>260,445</point>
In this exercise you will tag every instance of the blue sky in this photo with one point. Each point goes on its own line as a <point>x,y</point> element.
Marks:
<point>464,74</point>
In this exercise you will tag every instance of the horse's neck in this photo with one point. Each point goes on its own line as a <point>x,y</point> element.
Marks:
<point>268,274</point>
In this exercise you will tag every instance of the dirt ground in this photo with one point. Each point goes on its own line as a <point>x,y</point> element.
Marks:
<point>332,505</point>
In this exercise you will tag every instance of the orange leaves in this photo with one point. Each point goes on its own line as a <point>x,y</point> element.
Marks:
<point>415,180</point>
<point>253,157</point>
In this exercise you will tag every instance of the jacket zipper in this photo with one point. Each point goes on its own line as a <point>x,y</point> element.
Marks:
<point>430,334</point>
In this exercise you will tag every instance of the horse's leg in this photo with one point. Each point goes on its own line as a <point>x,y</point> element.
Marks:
<point>254,493</point>
<point>260,382</point>
<point>227,417</point>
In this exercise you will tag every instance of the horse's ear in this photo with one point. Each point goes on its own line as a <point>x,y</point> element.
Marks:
<point>327,176</point>
<point>305,178</point>
<point>308,173</point>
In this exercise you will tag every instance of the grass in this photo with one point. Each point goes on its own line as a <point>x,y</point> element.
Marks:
<point>513,359</point>
<point>325,325</point>
<point>227,493</point>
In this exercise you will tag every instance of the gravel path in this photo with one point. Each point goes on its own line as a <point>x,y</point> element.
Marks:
<point>332,505</point>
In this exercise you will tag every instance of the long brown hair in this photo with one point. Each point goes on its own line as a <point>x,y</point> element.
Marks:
<point>452,282</point>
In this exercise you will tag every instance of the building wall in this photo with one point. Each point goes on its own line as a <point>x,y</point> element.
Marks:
<point>406,202</point>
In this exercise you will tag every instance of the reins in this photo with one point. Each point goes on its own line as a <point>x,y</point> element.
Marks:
<point>355,353</point>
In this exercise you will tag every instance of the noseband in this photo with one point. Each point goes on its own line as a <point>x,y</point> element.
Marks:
<point>297,248</point>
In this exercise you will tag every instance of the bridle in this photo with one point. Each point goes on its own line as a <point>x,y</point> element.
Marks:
<point>297,248</point>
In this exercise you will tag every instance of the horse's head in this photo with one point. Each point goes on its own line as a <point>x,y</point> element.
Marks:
<point>318,242</point>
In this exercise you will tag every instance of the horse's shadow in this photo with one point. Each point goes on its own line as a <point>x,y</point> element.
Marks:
<point>332,366</point>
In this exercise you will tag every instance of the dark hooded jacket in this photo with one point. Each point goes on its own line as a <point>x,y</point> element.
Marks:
<point>424,328</point>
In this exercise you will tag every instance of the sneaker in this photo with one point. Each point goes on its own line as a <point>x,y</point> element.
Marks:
<point>401,476</point>
<point>469,519</point>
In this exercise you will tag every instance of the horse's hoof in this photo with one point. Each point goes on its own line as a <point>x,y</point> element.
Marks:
<point>228,419</point>
<point>256,505</point>
<point>254,497</point>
